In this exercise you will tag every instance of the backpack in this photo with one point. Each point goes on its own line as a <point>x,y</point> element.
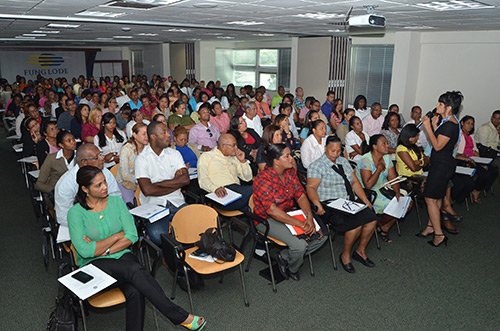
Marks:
<point>63,316</point>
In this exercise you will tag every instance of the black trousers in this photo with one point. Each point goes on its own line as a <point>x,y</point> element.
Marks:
<point>136,283</point>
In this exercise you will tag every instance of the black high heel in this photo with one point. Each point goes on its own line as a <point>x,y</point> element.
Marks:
<point>445,240</point>
<point>421,235</point>
<point>449,217</point>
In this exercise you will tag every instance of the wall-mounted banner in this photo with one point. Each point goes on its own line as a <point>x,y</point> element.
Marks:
<point>46,63</point>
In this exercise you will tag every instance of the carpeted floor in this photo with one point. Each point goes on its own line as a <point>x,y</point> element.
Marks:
<point>414,286</point>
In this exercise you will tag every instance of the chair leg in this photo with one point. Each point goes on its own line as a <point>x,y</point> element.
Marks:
<point>174,284</point>
<point>271,272</point>
<point>243,287</point>
<point>189,289</point>
<point>397,227</point>
<point>311,264</point>
<point>377,240</point>
<point>84,319</point>
<point>418,212</point>
<point>250,258</point>
<point>466,204</point>
<point>330,240</point>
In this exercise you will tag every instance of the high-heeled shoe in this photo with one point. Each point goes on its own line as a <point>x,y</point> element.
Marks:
<point>445,240</point>
<point>449,217</point>
<point>421,235</point>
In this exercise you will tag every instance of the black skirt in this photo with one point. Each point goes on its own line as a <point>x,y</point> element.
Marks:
<point>343,222</point>
<point>437,180</point>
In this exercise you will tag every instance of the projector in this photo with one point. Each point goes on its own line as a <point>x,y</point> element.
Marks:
<point>369,20</point>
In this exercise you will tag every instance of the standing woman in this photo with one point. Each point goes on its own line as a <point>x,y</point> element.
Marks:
<point>110,140</point>
<point>443,137</point>
<point>81,118</point>
<point>314,146</point>
<point>102,231</point>
<point>126,170</point>
<point>92,127</point>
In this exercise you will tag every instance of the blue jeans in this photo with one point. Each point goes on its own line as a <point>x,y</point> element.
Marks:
<point>156,229</point>
<point>240,204</point>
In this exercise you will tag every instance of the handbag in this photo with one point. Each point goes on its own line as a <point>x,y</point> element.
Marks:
<point>388,191</point>
<point>212,243</point>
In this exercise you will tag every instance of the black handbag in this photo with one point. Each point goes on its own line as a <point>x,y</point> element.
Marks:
<point>212,243</point>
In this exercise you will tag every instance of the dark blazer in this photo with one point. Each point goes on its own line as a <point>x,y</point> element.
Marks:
<point>50,172</point>
<point>246,148</point>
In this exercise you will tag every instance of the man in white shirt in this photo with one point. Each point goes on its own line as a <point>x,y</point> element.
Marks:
<point>251,118</point>
<point>372,124</point>
<point>67,187</point>
<point>416,116</point>
<point>87,99</point>
<point>488,133</point>
<point>161,173</point>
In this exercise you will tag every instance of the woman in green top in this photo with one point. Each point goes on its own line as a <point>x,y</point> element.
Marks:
<point>102,230</point>
<point>179,117</point>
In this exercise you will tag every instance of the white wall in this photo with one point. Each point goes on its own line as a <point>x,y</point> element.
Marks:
<point>313,56</point>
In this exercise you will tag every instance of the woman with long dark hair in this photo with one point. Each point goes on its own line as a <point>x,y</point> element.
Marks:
<point>247,139</point>
<point>110,140</point>
<point>314,145</point>
<point>442,135</point>
<point>356,140</point>
<point>102,231</point>
<point>390,130</point>
<point>81,118</point>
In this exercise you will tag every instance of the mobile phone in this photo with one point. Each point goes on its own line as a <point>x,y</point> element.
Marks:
<point>82,277</point>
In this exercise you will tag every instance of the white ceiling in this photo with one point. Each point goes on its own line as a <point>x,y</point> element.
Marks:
<point>278,17</point>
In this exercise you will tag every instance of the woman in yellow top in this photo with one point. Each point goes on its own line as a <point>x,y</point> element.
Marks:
<point>410,160</point>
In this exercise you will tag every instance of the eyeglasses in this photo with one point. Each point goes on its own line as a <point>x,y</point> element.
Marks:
<point>230,145</point>
<point>99,156</point>
<point>209,133</point>
<point>349,205</point>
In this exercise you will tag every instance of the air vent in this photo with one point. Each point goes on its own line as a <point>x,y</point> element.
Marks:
<point>140,4</point>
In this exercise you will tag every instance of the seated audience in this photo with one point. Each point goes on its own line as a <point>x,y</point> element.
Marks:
<point>288,110</point>
<point>102,231</point>
<point>329,104</point>
<point>247,139</point>
<point>272,135</point>
<point>136,117</point>
<point>356,140</point>
<point>219,118</point>
<point>252,120</point>
<point>360,106</point>
<point>123,116</point>
<point>394,108</point>
<point>92,127</point>
<point>410,159</point>
<point>48,144</point>
<point>162,106</point>
<point>311,116</point>
<point>277,99</point>
<point>277,190</point>
<point>190,153</point>
<point>147,108</point>
<point>287,136</point>
<point>372,123</point>
<point>343,127</point>
<point>66,187</point>
<point>32,137</point>
<point>205,134</point>
<point>135,102</point>
<point>416,116</point>
<point>229,157</point>
<point>179,117</point>
<point>81,118</point>
<point>304,111</point>
<point>390,130</point>
<point>126,169</point>
<point>161,173</point>
<point>314,145</point>
<point>329,178</point>
<point>375,169</point>
<point>488,135</point>
<point>64,120</point>
<point>110,140</point>
<point>336,114</point>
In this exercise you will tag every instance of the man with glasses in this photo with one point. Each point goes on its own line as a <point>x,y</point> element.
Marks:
<point>64,120</point>
<point>224,167</point>
<point>204,135</point>
<point>67,187</point>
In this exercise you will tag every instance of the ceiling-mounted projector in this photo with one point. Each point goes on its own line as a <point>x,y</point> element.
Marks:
<point>369,20</point>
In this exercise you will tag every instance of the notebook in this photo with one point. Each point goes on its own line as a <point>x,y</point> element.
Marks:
<point>347,206</point>
<point>397,208</point>
<point>150,212</point>
<point>297,230</point>
<point>99,280</point>
<point>230,197</point>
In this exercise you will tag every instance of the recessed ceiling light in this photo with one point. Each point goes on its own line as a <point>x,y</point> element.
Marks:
<point>336,30</point>
<point>263,34</point>
<point>144,34</point>
<point>122,37</point>
<point>140,4</point>
<point>126,28</point>
<point>96,13</point>
<point>63,26</point>
<point>46,31</point>
<point>34,35</point>
<point>214,34</point>
<point>453,5</point>
<point>24,37</point>
<point>320,15</point>
<point>245,23</point>
<point>205,5</point>
<point>176,30</point>
<point>193,39</point>
<point>225,37</point>
<point>103,38</point>
<point>421,27</point>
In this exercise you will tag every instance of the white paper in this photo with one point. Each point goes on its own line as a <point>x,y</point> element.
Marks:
<point>193,173</point>
<point>230,197</point>
<point>28,159</point>
<point>397,208</point>
<point>295,213</point>
<point>482,160</point>
<point>354,206</point>
<point>150,212</point>
<point>122,100</point>
<point>18,148</point>
<point>100,281</point>
<point>34,173</point>
<point>465,170</point>
<point>207,258</point>
<point>62,234</point>
<point>13,137</point>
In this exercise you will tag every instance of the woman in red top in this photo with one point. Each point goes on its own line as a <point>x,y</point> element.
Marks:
<point>276,191</point>
<point>247,139</point>
<point>92,127</point>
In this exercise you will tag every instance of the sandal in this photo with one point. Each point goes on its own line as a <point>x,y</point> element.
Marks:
<point>421,235</point>
<point>198,323</point>
<point>384,235</point>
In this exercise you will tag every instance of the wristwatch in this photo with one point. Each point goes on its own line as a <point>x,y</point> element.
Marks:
<point>107,251</point>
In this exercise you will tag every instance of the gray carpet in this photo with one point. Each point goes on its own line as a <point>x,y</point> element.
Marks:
<point>414,286</point>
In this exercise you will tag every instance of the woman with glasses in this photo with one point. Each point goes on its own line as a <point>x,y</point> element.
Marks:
<point>329,178</point>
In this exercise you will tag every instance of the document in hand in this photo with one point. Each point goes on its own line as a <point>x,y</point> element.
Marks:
<point>100,280</point>
<point>481,160</point>
<point>231,196</point>
<point>150,212</point>
<point>297,230</point>
<point>397,208</point>
<point>122,100</point>
<point>347,206</point>
<point>465,170</point>
<point>193,173</point>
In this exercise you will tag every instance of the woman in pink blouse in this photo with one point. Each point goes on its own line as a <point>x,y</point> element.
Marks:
<point>219,118</point>
<point>92,127</point>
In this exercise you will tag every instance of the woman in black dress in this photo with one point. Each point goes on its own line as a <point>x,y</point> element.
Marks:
<point>443,136</point>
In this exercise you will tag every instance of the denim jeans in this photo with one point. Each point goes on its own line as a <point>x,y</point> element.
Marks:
<point>156,229</point>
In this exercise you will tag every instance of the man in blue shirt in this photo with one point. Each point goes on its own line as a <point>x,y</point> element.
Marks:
<point>327,107</point>
<point>135,102</point>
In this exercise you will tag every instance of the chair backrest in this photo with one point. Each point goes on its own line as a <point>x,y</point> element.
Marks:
<point>191,221</point>
<point>137,195</point>
<point>114,169</point>
<point>251,204</point>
